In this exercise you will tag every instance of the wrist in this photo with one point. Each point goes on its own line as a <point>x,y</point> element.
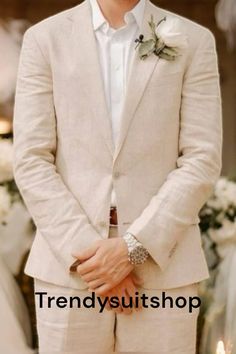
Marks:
<point>137,254</point>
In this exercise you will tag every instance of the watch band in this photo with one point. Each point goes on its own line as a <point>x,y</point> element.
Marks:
<point>137,254</point>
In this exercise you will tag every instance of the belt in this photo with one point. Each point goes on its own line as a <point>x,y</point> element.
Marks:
<point>113,216</point>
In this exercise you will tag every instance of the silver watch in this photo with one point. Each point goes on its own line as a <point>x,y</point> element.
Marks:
<point>137,254</point>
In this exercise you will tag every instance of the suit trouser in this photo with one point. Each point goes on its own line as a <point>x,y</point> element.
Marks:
<point>79,329</point>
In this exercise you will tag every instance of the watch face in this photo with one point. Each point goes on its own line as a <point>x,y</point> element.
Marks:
<point>138,255</point>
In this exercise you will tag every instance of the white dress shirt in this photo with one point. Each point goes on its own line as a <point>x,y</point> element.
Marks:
<point>116,48</point>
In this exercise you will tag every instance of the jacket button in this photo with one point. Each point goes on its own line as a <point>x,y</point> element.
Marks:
<point>102,224</point>
<point>116,174</point>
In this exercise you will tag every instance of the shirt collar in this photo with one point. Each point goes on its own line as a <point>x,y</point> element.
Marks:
<point>137,13</point>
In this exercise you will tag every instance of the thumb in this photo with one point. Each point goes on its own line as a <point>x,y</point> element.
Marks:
<point>86,254</point>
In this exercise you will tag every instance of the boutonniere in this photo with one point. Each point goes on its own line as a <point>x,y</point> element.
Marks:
<point>165,42</point>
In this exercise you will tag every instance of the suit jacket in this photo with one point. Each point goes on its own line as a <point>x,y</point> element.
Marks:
<point>163,169</point>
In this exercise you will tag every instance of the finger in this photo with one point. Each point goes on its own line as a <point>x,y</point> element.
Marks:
<point>111,294</point>
<point>107,304</point>
<point>102,290</point>
<point>88,266</point>
<point>119,295</point>
<point>96,283</point>
<point>114,306</point>
<point>88,277</point>
<point>119,292</point>
<point>125,303</point>
<point>131,291</point>
<point>73,267</point>
<point>87,253</point>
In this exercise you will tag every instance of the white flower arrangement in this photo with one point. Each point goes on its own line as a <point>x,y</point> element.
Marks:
<point>218,216</point>
<point>5,203</point>
<point>8,190</point>
<point>221,206</point>
<point>168,33</point>
<point>6,156</point>
<point>166,41</point>
<point>218,226</point>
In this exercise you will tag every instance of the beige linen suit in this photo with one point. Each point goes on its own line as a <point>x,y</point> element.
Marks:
<point>163,168</point>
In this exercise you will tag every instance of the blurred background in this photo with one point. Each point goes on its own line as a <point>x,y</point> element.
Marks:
<point>217,321</point>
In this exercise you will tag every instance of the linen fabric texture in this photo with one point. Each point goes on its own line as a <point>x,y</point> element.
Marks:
<point>163,167</point>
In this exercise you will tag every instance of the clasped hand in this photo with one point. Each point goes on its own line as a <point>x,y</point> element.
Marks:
<point>106,269</point>
<point>104,265</point>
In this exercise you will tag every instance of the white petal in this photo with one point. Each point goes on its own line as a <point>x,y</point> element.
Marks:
<point>175,40</point>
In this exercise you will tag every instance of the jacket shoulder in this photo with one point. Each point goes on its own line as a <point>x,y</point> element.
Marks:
<point>55,23</point>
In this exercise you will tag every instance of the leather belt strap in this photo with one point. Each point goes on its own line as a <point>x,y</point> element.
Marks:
<point>113,216</point>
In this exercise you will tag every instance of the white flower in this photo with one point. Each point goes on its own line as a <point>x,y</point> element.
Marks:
<point>217,203</point>
<point>167,31</point>
<point>208,249</point>
<point>221,184</point>
<point>230,193</point>
<point>5,203</point>
<point>224,234</point>
<point>224,237</point>
<point>225,192</point>
<point>206,211</point>
<point>220,217</point>
<point>6,157</point>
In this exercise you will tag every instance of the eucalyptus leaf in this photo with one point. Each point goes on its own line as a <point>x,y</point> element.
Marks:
<point>163,19</point>
<point>155,44</point>
<point>154,36</point>
<point>146,48</point>
<point>170,51</point>
<point>166,56</point>
<point>152,24</point>
<point>160,45</point>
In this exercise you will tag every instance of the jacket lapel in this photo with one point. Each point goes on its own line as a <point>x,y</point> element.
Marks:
<point>88,69</point>
<point>140,73</point>
<point>85,55</point>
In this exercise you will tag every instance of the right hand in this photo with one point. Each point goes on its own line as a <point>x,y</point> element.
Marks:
<point>125,289</point>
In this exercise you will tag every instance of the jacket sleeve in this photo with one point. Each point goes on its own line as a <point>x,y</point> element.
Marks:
<point>176,206</point>
<point>55,211</point>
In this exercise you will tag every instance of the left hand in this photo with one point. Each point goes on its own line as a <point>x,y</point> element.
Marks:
<point>126,289</point>
<point>104,265</point>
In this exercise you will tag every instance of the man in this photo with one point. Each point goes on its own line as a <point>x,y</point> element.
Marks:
<point>117,146</point>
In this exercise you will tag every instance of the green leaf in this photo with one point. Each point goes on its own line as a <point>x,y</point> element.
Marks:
<point>146,48</point>
<point>170,51</point>
<point>160,45</point>
<point>152,24</point>
<point>166,56</point>
<point>163,19</point>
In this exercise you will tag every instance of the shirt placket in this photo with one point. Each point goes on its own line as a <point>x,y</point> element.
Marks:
<point>116,82</point>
